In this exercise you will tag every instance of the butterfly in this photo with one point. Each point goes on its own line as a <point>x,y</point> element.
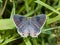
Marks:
<point>29,26</point>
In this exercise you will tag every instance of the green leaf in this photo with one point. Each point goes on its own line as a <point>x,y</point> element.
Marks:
<point>6,24</point>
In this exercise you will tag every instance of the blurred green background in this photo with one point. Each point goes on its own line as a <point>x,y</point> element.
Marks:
<point>50,34</point>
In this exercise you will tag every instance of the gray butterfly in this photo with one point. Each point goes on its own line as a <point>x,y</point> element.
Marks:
<point>29,26</point>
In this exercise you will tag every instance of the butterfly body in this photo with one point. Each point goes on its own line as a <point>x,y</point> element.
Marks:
<point>29,26</point>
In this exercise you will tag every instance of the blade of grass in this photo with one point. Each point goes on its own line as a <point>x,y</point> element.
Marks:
<point>59,4</point>
<point>43,41</point>
<point>50,29</point>
<point>23,7</point>
<point>55,2</point>
<point>49,21</point>
<point>35,41</point>
<point>52,12</point>
<point>13,10</point>
<point>47,6</point>
<point>10,40</point>
<point>26,5</point>
<point>27,41</point>
<point>33,11</point>
<point>3,8</point>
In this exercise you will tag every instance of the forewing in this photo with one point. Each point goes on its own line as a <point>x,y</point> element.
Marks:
<point>18,20</point>
<point>39,20</point>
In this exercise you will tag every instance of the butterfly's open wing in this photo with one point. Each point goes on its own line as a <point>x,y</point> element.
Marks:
<point>18,19</point>
<point>37,23</point>
<point>20,22</point>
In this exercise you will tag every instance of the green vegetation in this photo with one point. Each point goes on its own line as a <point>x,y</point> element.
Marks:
<point>50,34</point>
